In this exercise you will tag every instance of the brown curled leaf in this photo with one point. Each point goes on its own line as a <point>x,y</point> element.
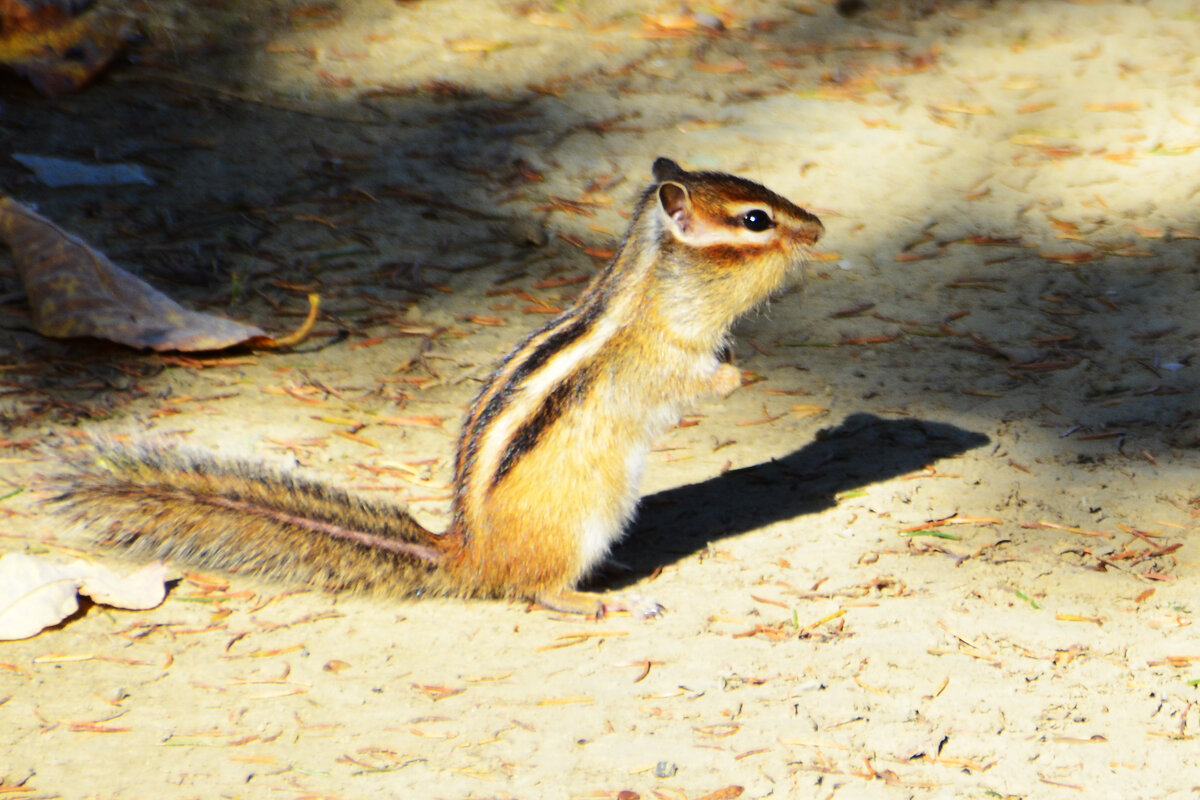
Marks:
<point>58,53</point>
<point>75,291</point>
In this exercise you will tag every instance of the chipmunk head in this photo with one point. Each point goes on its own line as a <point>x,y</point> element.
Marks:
<point>713,208</point>
<point>730,238</point>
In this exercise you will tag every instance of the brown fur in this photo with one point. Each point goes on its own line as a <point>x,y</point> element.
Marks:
<point>551,450</point>
<point>245,517</point>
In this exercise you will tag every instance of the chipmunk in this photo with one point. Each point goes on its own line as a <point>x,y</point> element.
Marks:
<point>551,450</point>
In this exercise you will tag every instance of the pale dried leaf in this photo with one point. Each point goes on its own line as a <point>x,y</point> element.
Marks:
<point>57,172</point>
<point>143,589</point>
<point>36,593</point>
<point>75,290</point>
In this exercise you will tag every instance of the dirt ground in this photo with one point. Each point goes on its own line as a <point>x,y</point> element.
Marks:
<point>940,545</point>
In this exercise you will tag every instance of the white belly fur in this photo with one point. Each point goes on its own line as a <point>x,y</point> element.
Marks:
<point>600,531</point>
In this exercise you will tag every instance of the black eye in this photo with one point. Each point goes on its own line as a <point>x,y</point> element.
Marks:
<point>757,220</point>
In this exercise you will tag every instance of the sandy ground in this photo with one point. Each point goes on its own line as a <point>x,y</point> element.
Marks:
<point>941,546</point>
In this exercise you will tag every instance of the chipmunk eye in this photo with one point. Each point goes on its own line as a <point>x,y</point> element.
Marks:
<point>757,220</point>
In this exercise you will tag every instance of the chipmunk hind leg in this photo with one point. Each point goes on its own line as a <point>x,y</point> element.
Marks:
<point>595,539</point>
<point>540,554</point>
<point>598,606</point>
<point>585,604</point>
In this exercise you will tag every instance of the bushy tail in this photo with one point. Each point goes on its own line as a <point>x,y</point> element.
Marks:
<point>247,517</point>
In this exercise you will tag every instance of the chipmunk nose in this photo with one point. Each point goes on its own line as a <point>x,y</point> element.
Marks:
<point>810,229</point>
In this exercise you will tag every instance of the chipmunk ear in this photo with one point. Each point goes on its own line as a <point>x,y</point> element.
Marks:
<point>677,206</point>
<point>665,169</point>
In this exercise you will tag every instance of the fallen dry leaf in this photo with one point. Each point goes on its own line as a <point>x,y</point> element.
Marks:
<point>59,54</point>
<point>35,593</point>
<point>74,290</point>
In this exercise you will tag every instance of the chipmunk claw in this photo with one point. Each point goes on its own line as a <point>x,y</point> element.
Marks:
<point>636,605</point>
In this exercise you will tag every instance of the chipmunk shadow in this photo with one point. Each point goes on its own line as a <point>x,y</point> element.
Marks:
<point>862,450</point>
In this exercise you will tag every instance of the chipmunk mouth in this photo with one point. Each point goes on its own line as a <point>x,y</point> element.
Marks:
<point>801,259</point>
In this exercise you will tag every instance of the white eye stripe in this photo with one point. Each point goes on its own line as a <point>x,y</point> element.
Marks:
<point>735,233</point>
<point>727,225</point>
<point>740,210</point>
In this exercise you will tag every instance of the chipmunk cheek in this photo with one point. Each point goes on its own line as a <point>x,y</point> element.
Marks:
<point>734,257</point>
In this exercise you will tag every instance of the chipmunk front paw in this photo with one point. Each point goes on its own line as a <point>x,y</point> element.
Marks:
<point>726,379</point>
